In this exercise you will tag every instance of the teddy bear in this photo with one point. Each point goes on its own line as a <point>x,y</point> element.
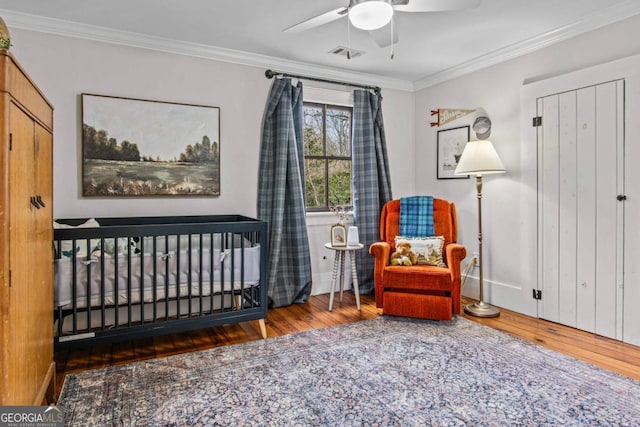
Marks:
<point>403,255</point>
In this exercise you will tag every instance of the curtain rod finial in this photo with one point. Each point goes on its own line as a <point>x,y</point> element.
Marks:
<point>270,74</point>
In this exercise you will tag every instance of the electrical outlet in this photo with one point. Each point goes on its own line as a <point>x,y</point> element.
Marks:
<point>475,259</point>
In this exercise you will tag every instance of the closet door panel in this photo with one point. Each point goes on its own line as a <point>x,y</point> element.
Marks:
<point>606,210</point>
<point>568,184</point>
<point>621,212</point>
<point>586,206</point>
<point>549,207</point>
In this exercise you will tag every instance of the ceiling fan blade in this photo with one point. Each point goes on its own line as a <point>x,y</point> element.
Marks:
<point>382,36</point>
<point>436,5</point>
<point>316,21</point>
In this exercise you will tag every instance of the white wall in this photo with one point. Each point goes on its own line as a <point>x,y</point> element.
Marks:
<point>65,67</point>
<point>507,244</point>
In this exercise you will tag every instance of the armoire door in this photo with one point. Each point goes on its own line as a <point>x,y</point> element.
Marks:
<point>24,349</point>
<point>580,219</point>
<point>43,248</point>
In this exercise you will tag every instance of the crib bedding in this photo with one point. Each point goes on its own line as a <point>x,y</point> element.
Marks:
<point>154,276</point>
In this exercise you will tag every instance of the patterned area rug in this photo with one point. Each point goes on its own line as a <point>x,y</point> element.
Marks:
<point>382,372</point>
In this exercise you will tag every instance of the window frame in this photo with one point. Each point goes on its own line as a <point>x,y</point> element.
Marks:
<point>324,106</point>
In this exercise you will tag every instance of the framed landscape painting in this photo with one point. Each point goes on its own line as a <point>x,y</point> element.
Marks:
<point>135,147</point>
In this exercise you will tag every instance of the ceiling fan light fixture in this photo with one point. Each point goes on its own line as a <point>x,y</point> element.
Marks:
<point>370,14</point>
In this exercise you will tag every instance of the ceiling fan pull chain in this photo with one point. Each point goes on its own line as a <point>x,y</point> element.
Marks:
<point>393,20</point>
<point>349,37</point>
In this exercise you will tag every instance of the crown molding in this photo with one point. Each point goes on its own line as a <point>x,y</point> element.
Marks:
<point>60,27</point>
<point>590,22</point>
<point>126,38</point>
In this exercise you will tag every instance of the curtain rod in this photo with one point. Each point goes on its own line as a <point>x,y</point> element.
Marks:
<point>271,74</point>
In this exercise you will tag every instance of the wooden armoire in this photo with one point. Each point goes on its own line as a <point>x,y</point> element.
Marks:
<point>27,370</point>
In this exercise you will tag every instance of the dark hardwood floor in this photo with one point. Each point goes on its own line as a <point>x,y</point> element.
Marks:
<point>606,353</point>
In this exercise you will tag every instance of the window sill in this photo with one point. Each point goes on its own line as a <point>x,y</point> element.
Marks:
<point>325,218</point>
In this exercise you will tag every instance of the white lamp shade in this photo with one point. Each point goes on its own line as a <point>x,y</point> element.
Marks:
<point>370,14</point>
<point>479,158</point>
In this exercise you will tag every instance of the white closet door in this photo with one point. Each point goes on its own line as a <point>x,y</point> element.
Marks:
<point>580,173</point>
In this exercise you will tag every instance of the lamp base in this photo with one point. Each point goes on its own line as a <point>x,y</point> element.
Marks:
<point>481,309</point>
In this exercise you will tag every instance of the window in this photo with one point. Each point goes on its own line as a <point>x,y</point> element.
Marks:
<point>327,155</point>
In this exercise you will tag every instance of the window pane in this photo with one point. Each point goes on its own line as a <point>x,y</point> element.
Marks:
<point>312,130</point>
<point>315,183</point>
<point>338,132</point>
<point>339,182</point>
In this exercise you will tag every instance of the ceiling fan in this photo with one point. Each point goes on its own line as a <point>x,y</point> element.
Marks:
<point>373,15</point>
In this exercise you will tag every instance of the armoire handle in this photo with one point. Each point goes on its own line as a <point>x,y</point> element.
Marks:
<point>40,202</point>
<point>34,203</point>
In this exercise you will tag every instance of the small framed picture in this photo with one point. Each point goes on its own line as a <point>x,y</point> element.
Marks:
<point>451,142</point>
<point>338,235</point>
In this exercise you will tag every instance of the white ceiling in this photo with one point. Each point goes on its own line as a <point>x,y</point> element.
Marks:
<point>432,47</point>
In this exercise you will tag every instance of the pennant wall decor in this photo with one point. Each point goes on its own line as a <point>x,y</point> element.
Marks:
<point>446,115</point>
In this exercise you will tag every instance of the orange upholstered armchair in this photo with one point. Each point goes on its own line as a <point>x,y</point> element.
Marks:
<point>421,291</point>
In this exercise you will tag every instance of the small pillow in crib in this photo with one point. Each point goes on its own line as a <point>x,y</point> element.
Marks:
<point>66,246</point>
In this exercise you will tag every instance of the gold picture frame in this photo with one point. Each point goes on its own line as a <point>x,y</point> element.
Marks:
<point>338,235</point>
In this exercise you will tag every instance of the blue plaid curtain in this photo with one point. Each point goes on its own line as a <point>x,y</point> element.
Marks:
<point>281,195</point>
<point>371,179</point>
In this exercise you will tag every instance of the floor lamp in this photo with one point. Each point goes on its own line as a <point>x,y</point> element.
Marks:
<point>480,158</point>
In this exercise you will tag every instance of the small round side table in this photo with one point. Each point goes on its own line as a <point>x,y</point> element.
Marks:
<point>338,267</point>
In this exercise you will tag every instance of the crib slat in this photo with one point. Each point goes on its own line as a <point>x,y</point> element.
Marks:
<point>200,259</point>
<point>129,281</point>
<point>74,292</point>
<point>178,275</point>
<point>102,290</point>
<point>189,275</point>
<point>142,299</point>
<point>241,248</point>
<point>88,290</point>
<point>154,291</point>
<point>211,274</point>
<point>233,268</point>
<point>116,284</point>
<point>166,277</point>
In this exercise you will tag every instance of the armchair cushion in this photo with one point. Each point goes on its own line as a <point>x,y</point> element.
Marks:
<point>400,277</point>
